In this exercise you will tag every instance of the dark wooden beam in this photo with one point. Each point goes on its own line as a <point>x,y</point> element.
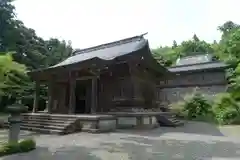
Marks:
<point>50,96</point>
<point>72,96</point>
<point>36,97</point>
<point>94,95</point>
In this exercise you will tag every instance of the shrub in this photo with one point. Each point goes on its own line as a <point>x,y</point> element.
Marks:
<point>196,105</point>
<point>226,109</point>
<point>23,146</point>
<point>9,148</point>
<point>27,145</point>
<point>178,109</point>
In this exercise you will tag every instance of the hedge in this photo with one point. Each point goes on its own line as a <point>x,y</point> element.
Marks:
<point>19,147</point>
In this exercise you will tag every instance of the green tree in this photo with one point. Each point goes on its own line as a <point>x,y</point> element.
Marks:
<point>11,75</point>
<point>57,51</point>
<point>195,38</point>
<point>29,49</point>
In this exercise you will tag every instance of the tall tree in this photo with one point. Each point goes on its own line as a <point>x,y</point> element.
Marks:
<point>195,38</point>
<point>175,45</point>
<point>227,27</point>
<point>57,51</point>
<point>6,22</point>
<point>28,48</point>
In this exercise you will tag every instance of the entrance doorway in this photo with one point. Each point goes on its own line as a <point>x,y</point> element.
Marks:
<point>83,96</point>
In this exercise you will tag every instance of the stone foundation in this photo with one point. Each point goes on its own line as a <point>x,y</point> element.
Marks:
<point>140,120</point>
<point>98,123</point>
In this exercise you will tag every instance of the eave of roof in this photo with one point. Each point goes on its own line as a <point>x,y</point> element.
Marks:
<point>198,67</point>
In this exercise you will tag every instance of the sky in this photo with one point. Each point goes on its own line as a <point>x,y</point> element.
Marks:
<point>88,23</point>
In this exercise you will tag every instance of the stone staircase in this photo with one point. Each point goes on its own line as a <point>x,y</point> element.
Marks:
<point>169,119</point>
<point>50,123</point>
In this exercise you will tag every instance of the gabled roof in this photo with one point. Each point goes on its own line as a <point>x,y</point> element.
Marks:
<point>107,51</point>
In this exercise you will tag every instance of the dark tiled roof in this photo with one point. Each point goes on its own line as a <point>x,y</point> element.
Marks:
<point>107,51</point>
<point>196,67</point>
<point>195,59</point>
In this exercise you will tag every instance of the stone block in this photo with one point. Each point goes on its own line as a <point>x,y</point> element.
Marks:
<point>146,120</point>
<point>126,122</point>
<point>88,125</point>
<point>107,125</point>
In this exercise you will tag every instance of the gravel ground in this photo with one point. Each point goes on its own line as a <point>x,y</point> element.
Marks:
<point>194,141</point>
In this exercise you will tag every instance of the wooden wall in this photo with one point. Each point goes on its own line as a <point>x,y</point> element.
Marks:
<point>175,88</point>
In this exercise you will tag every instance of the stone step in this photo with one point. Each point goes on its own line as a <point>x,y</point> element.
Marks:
<point>47,118</point>
<point>50,116</point>
<point>46,123</point>
<point>169,120</point>
<point>180,123</point>
<point>170,116</point>
<point>173,120</point>
<point>42,130</point>
<point>43,126</point>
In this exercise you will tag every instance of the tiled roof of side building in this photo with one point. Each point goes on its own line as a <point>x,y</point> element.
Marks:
<point>196,67</point>
<point>107,51</point>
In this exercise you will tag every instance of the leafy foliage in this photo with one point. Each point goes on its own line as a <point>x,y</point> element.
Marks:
<point>226,109</point>
<point>23,146</point>
<point>28,49</point>
<point>196,105</point>
<point>168,55</point>
<point>11,75</point>
<point>27,145</point>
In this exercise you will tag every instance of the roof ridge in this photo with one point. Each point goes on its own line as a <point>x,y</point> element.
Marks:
<point>195,64</point>
<point>107,45</point>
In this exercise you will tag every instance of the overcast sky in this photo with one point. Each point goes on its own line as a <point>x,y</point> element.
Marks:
<point>91,22</point>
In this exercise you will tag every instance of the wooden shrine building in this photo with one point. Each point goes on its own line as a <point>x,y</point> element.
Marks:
<point>106,87</point>
<point>113,76</point>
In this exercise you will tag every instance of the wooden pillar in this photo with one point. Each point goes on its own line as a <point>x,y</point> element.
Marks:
<point>132,69</point>
<point>94,95</point>
<point>72,96</point>
<point>36,97</point>
<point>50,97</point>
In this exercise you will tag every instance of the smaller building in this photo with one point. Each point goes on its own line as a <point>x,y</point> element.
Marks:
<point>200,70</point>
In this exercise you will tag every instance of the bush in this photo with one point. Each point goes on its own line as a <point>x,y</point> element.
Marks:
<point>196,105</point>
<point>226,109</point>
<point>27,145</point>
<point>23,146</point>
<point>178,109</point>
<point>9,148</point>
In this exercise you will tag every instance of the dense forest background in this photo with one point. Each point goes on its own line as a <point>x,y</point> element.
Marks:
<point>22,50</point>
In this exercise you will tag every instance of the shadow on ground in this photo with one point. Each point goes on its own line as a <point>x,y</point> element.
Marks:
<point>191,127</point>
<point>144,148</point>
<point>43,153</point>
